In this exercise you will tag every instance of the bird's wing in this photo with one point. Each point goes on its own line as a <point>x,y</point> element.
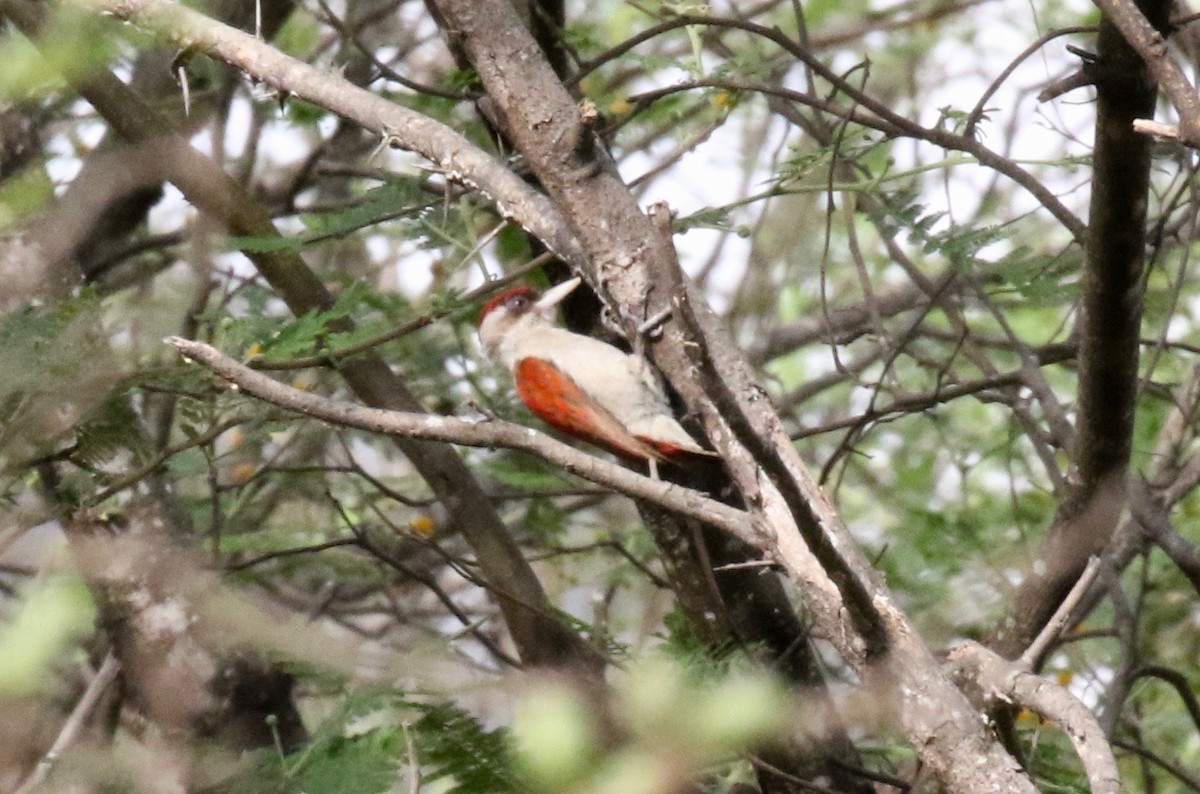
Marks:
<point>555,397</point>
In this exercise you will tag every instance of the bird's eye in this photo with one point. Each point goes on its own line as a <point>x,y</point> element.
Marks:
<point>518,302</point>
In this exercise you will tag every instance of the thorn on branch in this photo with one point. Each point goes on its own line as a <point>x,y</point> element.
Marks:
<point>1088,57</point>
<point>654,323</point>
<point>179,72</point>
<point>389,138</point>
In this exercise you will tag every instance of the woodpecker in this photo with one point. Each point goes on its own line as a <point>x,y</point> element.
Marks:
<point>579,385</point>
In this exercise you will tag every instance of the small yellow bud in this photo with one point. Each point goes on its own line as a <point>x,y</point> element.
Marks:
<point>423,524</point>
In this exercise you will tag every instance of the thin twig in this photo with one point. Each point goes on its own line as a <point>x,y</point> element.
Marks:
<point>1056,623</point>
<point>75,722</point>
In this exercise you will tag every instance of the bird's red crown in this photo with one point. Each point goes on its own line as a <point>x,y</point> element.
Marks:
<point>504,298</point>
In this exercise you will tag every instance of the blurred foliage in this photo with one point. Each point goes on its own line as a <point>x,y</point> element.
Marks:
<point>40,631</point>
<point>379,740</point>
<point>675,722</point>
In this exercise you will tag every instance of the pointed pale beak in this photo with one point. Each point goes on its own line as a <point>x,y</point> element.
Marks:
<point>547,304</point>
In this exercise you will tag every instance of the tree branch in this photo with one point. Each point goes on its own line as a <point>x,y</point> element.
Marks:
<point>1156,526</point>
<point>1109,331</point>
<point>1010,682</point>
<point>75,723</point>
<point>399,126</point>
<point>490,433</point>
<point>1149,43</point>
<point>633,261</point>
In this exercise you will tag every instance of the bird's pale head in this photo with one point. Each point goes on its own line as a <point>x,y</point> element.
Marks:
<point>518,309</point>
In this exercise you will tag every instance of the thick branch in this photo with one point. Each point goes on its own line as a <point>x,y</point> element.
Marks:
<point>630,256</point>
<point>1109,328</point>
<point>634,264</point>
<point>1113,262</point>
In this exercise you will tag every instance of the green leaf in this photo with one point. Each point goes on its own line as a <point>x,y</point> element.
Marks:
<point>111,428</point>
<point>71,45</point>
<point>364,750</point>
<point>54,613</point>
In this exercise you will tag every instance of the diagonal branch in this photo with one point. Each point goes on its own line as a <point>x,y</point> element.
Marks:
<point>399,126</point>
<point>633,260</point>
<point>491,433</point>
